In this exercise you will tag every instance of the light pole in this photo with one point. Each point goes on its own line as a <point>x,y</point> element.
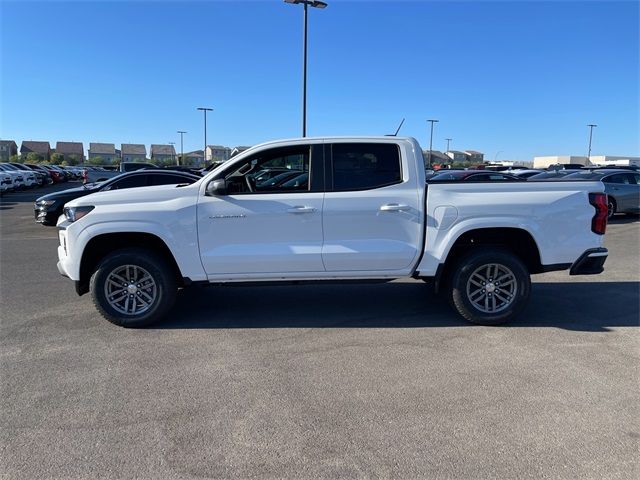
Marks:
<point>173,154</point>
<point>315,4</point>
<point>181,132</point>
<point>431,139</point>
<point>448,141</point>
<point>205,110</point>
<point>591,125</point>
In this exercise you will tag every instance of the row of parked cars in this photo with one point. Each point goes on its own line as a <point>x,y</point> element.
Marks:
<point>622,184</point>
<point>18,176</point>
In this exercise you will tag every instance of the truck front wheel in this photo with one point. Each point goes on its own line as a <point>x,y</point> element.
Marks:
<point>133,287</point>
<point>489,286</point>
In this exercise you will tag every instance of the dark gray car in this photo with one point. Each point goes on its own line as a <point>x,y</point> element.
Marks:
<point>621,186</point>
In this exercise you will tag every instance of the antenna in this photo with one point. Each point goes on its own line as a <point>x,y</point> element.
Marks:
<point>399,127</point>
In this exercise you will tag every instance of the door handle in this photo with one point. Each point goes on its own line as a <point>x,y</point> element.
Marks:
<point>301,209</point>
<point>393,207</point>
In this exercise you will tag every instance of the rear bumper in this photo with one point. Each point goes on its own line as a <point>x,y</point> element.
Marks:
<point>590,262</point>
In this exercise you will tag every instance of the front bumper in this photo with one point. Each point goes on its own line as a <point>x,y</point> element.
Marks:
<point>590,262</point>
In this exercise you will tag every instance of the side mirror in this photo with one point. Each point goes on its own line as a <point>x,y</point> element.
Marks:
<point>217,187</point>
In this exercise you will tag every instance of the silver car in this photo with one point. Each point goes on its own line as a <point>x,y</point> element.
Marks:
<point>621,186</point>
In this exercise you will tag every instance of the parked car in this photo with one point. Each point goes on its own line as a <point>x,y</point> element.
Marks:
<point>49,207</point>
<point>473,176</point>
<point>268,173</point>
<point>185,168</point>
<point>100,175</point>
<point>622,187</point>
<point>6,182</point>
<point>525,172</point>
<point>17,178</point>
<point>365,214</point>
<point>41,178</point>
<point>40,168</point>
<point>29,177</point>
<point>56,175</point>
<point>550,175</point>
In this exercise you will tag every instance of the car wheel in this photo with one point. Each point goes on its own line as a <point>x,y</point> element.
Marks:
<point>489,286</point>
<point>611,207</point>
<point>133,287</point>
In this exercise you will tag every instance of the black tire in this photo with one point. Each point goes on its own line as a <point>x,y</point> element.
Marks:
<point>164,293</point>
<point>612,206</point>
<point>516,293</point>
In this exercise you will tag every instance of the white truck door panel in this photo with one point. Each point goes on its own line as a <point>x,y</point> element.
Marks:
<point>262,233</point>
<point>270,219</point>
<point>376,229</point>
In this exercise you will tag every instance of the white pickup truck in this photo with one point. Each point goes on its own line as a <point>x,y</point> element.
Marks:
<point>331,209</point>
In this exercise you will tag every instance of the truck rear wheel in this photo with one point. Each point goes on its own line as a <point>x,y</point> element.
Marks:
<point>133,287</point>
<point>489,286</point>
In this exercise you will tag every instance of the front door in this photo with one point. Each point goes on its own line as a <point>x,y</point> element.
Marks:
<point>265,226</point>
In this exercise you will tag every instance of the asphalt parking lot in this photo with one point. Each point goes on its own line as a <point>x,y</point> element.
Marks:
<point>341,381</point>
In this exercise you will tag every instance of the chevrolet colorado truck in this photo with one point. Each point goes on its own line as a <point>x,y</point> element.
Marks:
<point>345,209</point>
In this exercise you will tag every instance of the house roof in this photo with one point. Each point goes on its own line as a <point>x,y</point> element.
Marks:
<point>473,152</point>
<point>195,153</point>
<point>218,147</point>
<point>162,150</point>
<point>8,143</point>
<point>105,148</point>
<point>456,152</point>
<point>435,154</point>
<point>133,149</point>
<point>70,148</point>
<point>36,147</point>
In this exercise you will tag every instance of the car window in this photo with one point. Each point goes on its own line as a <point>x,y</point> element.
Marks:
<point>364,166</point>
<point>617,178</point>
<point>291,161</point>
<point>130,181</point>
<point>636,178</point>
<point>168,179</point>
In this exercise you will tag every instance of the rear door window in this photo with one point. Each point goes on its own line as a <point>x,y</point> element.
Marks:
<point>365,166</point>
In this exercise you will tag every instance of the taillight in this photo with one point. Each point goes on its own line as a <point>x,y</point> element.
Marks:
<point>599,220</point>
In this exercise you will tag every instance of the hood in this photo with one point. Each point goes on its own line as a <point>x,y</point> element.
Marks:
<point>68,194</point>
<point>136,195</point>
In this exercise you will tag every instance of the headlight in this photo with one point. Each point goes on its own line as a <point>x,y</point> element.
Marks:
<point>76,213</point>
<point>45,203</point>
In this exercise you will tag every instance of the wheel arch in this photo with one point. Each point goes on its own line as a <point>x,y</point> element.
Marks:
<point>101,245</point>
<point>516,240</point>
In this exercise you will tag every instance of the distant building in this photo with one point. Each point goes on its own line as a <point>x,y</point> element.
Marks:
<point>161,153</point>
<point>437,157</point>
<point>42,149</point>
<point>133,152</point>
<point>71,150</point>
<point>8,148</point>
<point>457,156</point>
<point>474,156</point>
<point>217,153</point>
<point>106,151</point>
<point>238,150</point>
<point>195,158</point>
<point>604,160</point>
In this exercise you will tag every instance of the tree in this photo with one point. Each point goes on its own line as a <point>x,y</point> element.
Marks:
<point>16,159</point>
<point>72,160</point>
<point>56,158</point>
<point>33,157</point>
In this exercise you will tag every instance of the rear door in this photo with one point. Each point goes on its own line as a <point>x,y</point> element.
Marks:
<point>372,220</point>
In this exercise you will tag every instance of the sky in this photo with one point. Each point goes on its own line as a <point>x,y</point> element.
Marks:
<point>512,79</point>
